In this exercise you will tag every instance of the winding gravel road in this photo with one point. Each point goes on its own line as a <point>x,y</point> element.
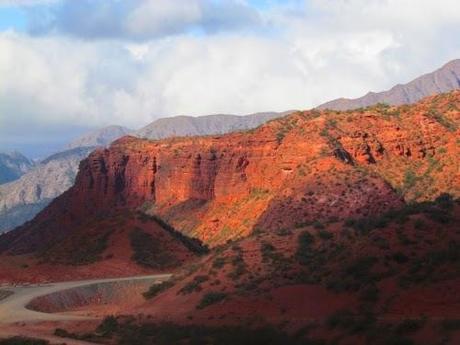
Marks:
<point>13,308</point>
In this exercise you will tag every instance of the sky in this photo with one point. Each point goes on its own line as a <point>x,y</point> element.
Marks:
<point>67,66</point>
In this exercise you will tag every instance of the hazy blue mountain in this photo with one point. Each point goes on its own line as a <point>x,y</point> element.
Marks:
<point>179,126</point>
<point>445,79</point>
<point>13,165</point>
<point>99,137</point>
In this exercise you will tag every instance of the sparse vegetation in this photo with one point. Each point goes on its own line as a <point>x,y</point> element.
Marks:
<point>211,298</point>
<point>304,251</point>
<point>194,285</point>
<point>166,333</point>
<point>156,289</point>
<point>442,120</point>
<point>148,252</point>
<point>325,235</point>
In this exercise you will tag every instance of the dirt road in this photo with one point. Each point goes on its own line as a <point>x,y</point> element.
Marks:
<point>16,319</point>
<point>13,308</point>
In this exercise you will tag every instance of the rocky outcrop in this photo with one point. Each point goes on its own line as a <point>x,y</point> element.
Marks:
<point>445,79</point>
<point>282,175</point>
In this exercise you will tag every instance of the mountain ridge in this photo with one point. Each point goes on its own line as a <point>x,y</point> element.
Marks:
<point>442,80</point>
<point>196,184</point>
<point>13,165</point>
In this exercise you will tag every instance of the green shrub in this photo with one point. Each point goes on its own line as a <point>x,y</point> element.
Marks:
<point>194,285</point>
<point>325,235</point>
<point>218,262</point>
<point>409,326</point>
<point>211,298</point>
<point>419,224</point>
<point>400,258</point>
<point>156,289</point>
<point>304,252</point>
<point>108,326</point>
<point>318,225</point>
<point>148,252</point>
<point>168,334</point>
<point>398,340</point>
<point>450,325</point>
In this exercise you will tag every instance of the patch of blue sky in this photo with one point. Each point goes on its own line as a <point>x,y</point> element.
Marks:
<point>12,18</point>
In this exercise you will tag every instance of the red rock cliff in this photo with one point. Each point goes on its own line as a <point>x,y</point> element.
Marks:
<point>305,167</point>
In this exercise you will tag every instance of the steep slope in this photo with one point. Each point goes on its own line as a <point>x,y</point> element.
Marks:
<point>99,137</point>
<point>381,280</point>
<point>22,199</point>
<point>445,79</point>
<point>183,126</point>
<point>13,165</point>
<point>121,243</point>
<point>309,166</point>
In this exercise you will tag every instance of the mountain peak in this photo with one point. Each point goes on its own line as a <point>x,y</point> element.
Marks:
<point>99,137</point>
<point>444,79</point>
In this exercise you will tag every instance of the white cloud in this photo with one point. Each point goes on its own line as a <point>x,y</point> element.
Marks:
<point>302,58</point>
<point>140,20</point>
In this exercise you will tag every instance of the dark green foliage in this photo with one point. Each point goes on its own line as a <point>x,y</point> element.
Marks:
<point>438,210</point>
<point>239,268</point>
<point>442,120</point>
<point>361,267</point>
<point>419,224</point>
<point>88,250</point>
<point>400,258</point>
<point>351,322</point>
<point>398,340</point>
<point>148,252</point>
<point>23,341</point>
<point>194,285</point>
<point>318,225</point>
<point>218,262</point>
<point>325,235</point>
<point>108,326</point>
<point>370,294</point>
<point>304,252</point>
<point>410,326</point>
<point>410,178</point>
<point>267,250</point>
<point>156,289</point>
<point>350,222</point>
<point>168,334</point>
<point>450,325</point>
<point>426,268</point>
<point>211,298</point>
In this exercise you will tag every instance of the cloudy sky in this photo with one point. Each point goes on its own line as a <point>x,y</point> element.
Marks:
<point>70,65</point>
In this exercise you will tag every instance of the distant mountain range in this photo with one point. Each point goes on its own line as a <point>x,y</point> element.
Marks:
<point>13,165</point>
<point>99,137</point>
<point>22,199</point>
<point>182,126</point>
<point>445,79</point>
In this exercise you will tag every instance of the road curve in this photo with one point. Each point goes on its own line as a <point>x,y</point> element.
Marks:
<point>13,308</point>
